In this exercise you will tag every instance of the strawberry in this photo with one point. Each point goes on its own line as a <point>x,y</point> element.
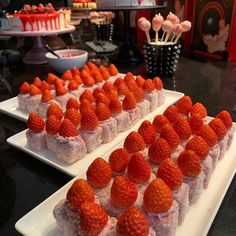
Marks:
<point>123,192</point>
<point>44,86</point>
<point>75,71</point>
<point>92,66</point>
<point>148,132</point>
<point>107,86</point>
<point>104,72</point>
<point>118,82</point>
<point>157,197</point>
<point>159,121</point>
<point>208,134</point>
<point>68,129</point>
<point>73,115</point>
<point>88,80</point>
<point>170,173</point>
<point>169,134</point>
<point>140,81</point>
<point>132,222</point>
<point>158,83</point>
<point>59,82</point>
<point>123,89</point>
<point>182,128</point>
<point>129,102</point>
<point>171,113</point>
<point>52,125</point>
<point>218,126</point>
<point>139,171</point>
<point>24,88</point>
<point>27,8</point>
<point>51,8</point>
<point>79,192</point>
<point>35,123</point>
<point>40,9</point>
<point>134,142</point>
<point>51,78</point>
<point>93,218</point>
<point>47,96</point>
<point>199,108</point>
<point>67,75</point>
<point>89,120</point>
<point>148,86</point>
<point>189,163</point>
<point>159,151</point>
<point>132,86</point>
<point>61,90</point>
<point>86,105</point>
<point>184,105</point>
<point>225,118</point>
<point>34,90</point>
<point>115,105</point>
<point>112,94</point>
<point>101,97</point>
<point>78,79</point>
<point>138,94</point>
<point>55,110</point>
<point>199,146</point>
<point>87,94</point>
<point>119,160</point>
<point>86,69</point>
<point>102,112</point>
<point>72,103</point>
<point>128,77</point>
<point>113,70</point>
<point>195,121</point>
<point>98,90</point>
<point>99,173</point>
<point>37,82</point>
<point>73,85</point>
<point>97,76</point>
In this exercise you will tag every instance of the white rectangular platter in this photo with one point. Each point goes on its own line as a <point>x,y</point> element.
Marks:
<point>19,141</point>
<point>197,222</point>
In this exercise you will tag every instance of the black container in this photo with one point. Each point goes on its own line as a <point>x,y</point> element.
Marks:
<point>104,32</point>
<point>161,60</point>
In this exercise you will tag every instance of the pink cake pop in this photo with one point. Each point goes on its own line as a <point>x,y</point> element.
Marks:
<point>145,25</point>
<point>185,26</point>
<point>167,27</point>
<point>140,20</point>
<point>156,25</point>
<point>173,18</point>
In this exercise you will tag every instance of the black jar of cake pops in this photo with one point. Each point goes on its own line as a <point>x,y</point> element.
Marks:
<point>161,59</point>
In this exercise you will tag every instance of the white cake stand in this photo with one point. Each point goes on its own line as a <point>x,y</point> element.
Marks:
<point>36,55</point>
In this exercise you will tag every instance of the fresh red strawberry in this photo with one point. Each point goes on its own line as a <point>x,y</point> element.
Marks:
<point>113,70</point>
<point>93,218</point>
<point>102,112</point>
<point>72,103</point>
<point>115,105</point>
<point>101,97</point>
<point>86,105</point>
<point>51,8</point>
<point>24,88</point>
<point>118,82</point>
<point>99,173</point>
<point>139,170</point>
<point>51,78</point>
<point>75,71</point>
<point>225,118</point>
<point>40,9</point>
<point>59,82</point>
<point>34,90</point>
<point>68,129</point>
<point>92,66</point>
<point>67,75</point>
<point>148,132</point>
<point>159,151</point>
<point>73,85</point>
<point>140,81</point>
<point>148,86</point>
<point>47,96</point>
<point>158,83</point>
<point>184,105</point>
<point>119,160</point>
<point>199,108</point>
<point>123,192</point>
<point>78,79</point>
<point>129,77</point>
<point>159,121</point>
<point>132,222</point>
<point>88,80</point>
<point>208,134</point>
<point>134,142</point>
<point>218,126</point>
<point>112,94</point>
<point>170,173</point>
<point>199,146</point>
<point>107,86</point>
<point>195,122</point>
<point>27,8</point>
<point>138,94</point>
<point>182,128</point>
<point>98,90</point>
<point>37,82</point>
<point>171,113</point>
<point>129,102</point>
<point>104,72</point>
<point>169,134</point>
<point>89,120</point>
<point>132,86</point>
<point>52,125</point>
<point>61,90</point>
<point>73,115</point>
<point>97,76</point>
<point>123,89</point>
<point>35,123</point>
<point>189,163</point>
<point>157,197</point>
<point>45,86</point>
<point>87,94</point>
<point>86,69</point>
<point>55,110</point>
<point>79,192</point>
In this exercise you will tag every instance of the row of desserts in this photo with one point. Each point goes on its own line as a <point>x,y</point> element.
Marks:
<point>144,189</point>
<point>72,83</point>
<point>97,119</point>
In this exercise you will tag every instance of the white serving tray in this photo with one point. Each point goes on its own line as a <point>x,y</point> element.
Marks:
<point>198,220</point>
<point>19,141</point>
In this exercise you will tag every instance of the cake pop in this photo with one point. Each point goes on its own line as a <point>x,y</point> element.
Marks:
<point>173,18</point>
<point>156,25</point>
<point>167,27</point>
<point>185,26</point>
<point>176,31</point>
<point>145,25</point>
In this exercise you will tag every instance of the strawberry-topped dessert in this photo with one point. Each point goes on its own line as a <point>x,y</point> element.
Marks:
<point>32,102</point>
<point>62,96</point>
<point>114,73</point>
<point>190,165</point>
<point>23,95</point>
<point>184,105</point>
<point>129,104</point>
<point>159,121</point>
<point>199,108</point>
<point>90,130</point>
<point>106,122</point>
<point>73,103</point>
<point>148,132</point>
<point>73,115</point>
<point>159,87</point>
<point>36,132</point>
<point>70,147</point>
<point>171,113</point>
<point>160,208</point>
<point>171,174</point>
<point>74,89</point>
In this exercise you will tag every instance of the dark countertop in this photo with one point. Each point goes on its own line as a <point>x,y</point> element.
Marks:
<point>25,181</point>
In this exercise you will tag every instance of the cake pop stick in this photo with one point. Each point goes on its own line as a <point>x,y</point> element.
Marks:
<point>167,27</point>
<point>156,25</point>
<point>185,26</point>
<point>176,31</point>
<point>145,25</point>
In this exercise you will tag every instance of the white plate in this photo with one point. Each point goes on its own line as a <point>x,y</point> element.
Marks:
<point>19,141</point>
<point>197,222</point>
